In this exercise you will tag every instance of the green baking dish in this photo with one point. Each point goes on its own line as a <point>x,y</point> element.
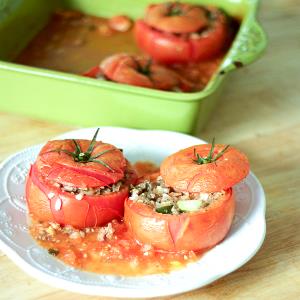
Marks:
<point>77,100</point>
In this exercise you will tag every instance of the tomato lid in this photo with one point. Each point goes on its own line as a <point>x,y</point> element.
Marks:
<point>190,169</point>
<point>56,162</point>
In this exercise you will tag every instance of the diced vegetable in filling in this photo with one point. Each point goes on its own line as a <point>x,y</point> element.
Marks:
<point>166,200</point>
<point>92,191</point>
<point>80,192</point>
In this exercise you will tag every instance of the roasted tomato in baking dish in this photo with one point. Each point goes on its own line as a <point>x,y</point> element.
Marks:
<point>81,183</point>
<point>139,71</point>
<point>176,32</point>
<point>168,215</point>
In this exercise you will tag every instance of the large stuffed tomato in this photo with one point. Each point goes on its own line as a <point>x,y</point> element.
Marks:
<point>181,216</point>
<point>78,183</point>
<point>179,33</point>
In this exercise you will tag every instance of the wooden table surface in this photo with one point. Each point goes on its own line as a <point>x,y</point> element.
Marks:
<point>260,114</point>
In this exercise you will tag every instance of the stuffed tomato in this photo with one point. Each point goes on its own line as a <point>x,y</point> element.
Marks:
<point>139,71</point>
<point>173,219</point>
<point>81,183</point>
<point>176,32</point>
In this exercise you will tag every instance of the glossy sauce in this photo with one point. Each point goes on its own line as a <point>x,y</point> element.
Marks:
<point>120,255</point>
<point>117,253</point>
<point>73,42</point>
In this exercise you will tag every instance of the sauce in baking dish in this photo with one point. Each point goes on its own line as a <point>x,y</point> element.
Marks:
<point>73,42</point>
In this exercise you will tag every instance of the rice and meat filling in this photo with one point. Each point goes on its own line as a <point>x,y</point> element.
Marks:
<point>96,191</point>
<point>51,231</point>
<point>102,190</point>
<point>168,201</point>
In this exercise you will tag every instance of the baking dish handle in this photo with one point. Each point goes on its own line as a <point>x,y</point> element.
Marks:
<point>249,45</point>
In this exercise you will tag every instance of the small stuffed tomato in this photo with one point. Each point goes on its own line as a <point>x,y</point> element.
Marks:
<point>81,183</point>
<point>139,71</point>
<point>179,33</point>
<point>174,219</point>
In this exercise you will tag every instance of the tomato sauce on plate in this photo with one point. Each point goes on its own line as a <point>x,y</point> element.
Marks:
<point>107,250</point>
<point>110,249</point>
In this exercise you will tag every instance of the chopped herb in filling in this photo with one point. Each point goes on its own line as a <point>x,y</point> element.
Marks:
<point>92,191</point>
<point>103,190</point>
<point>166,200</point>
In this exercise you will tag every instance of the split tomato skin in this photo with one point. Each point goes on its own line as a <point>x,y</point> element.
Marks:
<point>61,167</point>
<point>91,211</point>
<point>169,48</point>
<point>49,203</point>
<point>188,231</point>
<point>139,71</point>
<point>181,172</point>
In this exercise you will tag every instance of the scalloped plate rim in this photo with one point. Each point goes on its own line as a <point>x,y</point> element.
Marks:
<point>132,292</point>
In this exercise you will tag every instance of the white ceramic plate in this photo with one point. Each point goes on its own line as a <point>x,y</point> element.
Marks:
<point>243,241</point>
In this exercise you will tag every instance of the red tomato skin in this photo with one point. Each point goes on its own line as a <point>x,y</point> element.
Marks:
<point>94,72</point>
<point>168,48</point>
<point>188,231</point>
<point>91,211</point>
<point>162,47</point>
<point>180,171</point>
<point>62,167</point>
<point>211,44</point>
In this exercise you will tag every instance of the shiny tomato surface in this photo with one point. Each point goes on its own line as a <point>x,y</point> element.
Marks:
<point>48,201</point>
<point>118,254</point>
<point>183,173</point>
